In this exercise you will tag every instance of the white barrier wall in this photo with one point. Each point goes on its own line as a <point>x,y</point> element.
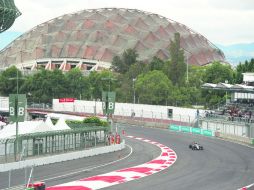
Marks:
<point>60,158</point>
<point>126,109</point>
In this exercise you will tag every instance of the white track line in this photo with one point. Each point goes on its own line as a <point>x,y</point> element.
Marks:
<point>88,169</point>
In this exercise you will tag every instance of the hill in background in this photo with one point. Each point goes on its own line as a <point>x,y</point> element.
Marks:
<point>237,53</point>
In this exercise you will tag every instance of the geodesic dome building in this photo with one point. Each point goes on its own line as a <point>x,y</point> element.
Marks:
<point>89,40</point>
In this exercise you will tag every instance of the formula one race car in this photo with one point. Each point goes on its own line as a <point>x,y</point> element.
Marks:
<point>195,146</point>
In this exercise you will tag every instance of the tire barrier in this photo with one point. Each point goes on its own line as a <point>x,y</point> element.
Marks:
<point>165,160</point>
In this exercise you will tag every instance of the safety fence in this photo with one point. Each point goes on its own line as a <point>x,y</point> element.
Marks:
<point>52,142</point>
<point>60,158</point>
<point>229,127</point>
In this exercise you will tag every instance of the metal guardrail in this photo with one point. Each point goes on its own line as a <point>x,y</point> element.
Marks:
<point>229,118</point>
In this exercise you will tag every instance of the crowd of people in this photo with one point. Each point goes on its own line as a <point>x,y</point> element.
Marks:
<point>234,112</point>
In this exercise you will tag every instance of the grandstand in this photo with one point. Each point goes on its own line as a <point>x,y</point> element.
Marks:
<point>89,39</point>
<point>236,117</point>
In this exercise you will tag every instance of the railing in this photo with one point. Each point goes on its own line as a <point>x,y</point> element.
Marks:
<point>229,118</point>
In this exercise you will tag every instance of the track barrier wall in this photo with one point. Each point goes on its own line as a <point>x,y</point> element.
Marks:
<point>187,129</point>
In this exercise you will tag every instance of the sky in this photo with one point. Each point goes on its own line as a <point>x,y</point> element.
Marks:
<point>222,22</point>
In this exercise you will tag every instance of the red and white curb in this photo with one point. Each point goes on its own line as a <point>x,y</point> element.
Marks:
<point>165,160</point>
<point>248,187</point>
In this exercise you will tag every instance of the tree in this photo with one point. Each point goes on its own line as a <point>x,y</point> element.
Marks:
<point>176,67</point>
<point>129,57</point>
<point>137,69</point>
<point>153,87</point>
<point>45,85</point>
<point>8,82</point>
<point>102,81</point>
<point>248,66</point>
<point>196,75</point>
<point>123,63</point>
<point>118,65</point>
<point>217,72</point>
<point>78,85</point>
<point>156,64</point>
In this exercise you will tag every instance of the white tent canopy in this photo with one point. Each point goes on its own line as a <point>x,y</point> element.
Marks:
<point>61,125</point>
<point>49,122</point>
<point>25,127</point>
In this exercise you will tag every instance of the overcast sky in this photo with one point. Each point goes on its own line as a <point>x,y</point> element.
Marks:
<point>221,21</point>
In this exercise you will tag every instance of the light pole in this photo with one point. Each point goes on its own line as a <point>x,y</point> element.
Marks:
<point>16,147</point>
<point>17,104</point>
<point>80,85</point>
<point>226,81</point>
<point>187,72</point>
<point>187,64</point>
<point>133,85</point>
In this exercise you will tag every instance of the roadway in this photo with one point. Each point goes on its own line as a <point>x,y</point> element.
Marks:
<point>134,154</point>
<point>222,165</point>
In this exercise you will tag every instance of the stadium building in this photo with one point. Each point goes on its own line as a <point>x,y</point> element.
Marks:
<point>89,40</point>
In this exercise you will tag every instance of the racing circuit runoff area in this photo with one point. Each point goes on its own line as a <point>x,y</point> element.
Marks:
<point>221,165</point>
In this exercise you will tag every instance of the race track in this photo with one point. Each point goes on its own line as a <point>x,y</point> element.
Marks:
<point>222,165</point>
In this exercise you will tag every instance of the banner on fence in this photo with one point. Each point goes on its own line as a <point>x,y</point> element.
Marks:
<point>192,130</point>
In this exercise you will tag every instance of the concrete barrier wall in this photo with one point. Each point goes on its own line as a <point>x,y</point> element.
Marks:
<point>61,157</point>
<point>126,109</point>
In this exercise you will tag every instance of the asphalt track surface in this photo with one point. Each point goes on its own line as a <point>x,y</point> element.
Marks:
<point>222,165</point>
